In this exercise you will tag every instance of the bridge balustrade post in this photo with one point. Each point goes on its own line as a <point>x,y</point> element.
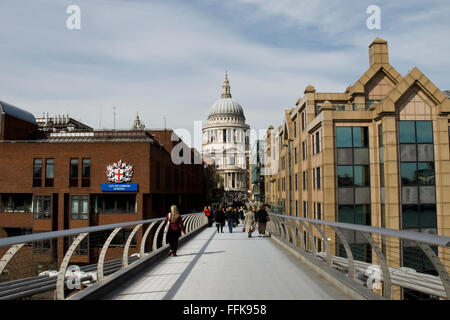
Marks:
<point>387,283</point>
<point>127,245</point>
<point>286,230</point>
<point>155,238</point>
<point>101,259</point>
<point>348,251</point>
<point>300,232</point>
<point>327,244</point>
<point>293,230</point>
<point>9,255</point>
<point>437,264</point>
<point>313,243</point>
<point>64,265</point>
<point>144,239</point>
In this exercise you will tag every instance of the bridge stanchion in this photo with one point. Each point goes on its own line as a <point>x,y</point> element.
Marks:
<point>289,231</point>
<point>127,245</point>
<point>9,255</point>
<point>348,251</point>
<point>300,232</point>
<point>188,226</point>
<point>286,230</point>
<point>294,231</point>
<point>387,283</point>
<point>311,238</point>
<point>437,264</point>
<point>101,259</point>
<point>155,238</point>
<point>276,226</point>
<point>327,244</point>
<point>64,265</point>
<point>198,218</point>
<point>144,239</point>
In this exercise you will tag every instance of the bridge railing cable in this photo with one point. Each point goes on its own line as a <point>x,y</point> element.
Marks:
<point>53,265</point>
<point>393,263</point>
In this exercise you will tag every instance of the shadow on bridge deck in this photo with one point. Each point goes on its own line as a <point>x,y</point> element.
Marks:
<point>228,266</point>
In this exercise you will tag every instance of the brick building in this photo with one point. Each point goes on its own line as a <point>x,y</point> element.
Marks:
<point>56,180</point>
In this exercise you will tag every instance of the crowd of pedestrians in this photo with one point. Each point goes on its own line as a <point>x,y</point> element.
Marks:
<point>250,216</point>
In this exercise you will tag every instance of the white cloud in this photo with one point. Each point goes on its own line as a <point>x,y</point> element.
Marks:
<point>168,59</point>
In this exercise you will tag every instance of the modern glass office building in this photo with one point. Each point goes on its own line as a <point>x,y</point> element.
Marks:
<point>377,154</point>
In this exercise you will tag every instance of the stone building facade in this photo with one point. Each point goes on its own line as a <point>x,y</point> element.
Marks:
<point>377,154</point>
<point>226,141</point>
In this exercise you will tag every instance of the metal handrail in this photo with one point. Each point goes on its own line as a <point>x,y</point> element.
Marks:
<point>421,240</point>
<point>195,221</point>
<point>70,232</point>
<point>404,234</point>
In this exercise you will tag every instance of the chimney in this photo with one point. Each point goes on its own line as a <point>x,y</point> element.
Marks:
<point>378,52</point>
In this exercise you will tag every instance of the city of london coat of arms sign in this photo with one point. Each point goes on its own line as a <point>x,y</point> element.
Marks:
<point>120,172</point>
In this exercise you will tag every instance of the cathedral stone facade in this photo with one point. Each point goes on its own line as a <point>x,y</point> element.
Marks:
<point>226,142</point>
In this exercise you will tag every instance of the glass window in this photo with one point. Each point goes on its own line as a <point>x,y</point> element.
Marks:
<point>49,172</point>
<point>305,213</point>
<point>380,135</point>
<point>410,216</point>
<point>345,176</point>
<point>424,131</point>
<point>362,214</point>
<point>344,137</point>
<point>345,214</point>
<point>425,173</point>
<point>318,178</point>
<point>37,173</point>
<point>408,172</point>
<point>42,207</point>
<point>86,173</point>
<point>50,169</point>
<point>428,216</point>
<point>16,203</point>
<point>317,142</point>
<point>105,203</point>
<point>360,137</point>
<point>361,176</point>
<point>37,170</point>
<point>319,211</point>
<point>73,173</point>
<point>407,132</point>
<point>303,121</point>
<point>80,207</point>
<point>86,168</point>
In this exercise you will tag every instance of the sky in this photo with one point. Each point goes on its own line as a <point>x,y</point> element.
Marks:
<point>167,58</point>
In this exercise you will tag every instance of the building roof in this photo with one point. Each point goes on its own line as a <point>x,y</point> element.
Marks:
<point>226,106</point>
<point>17,113</point>
<point>98,136</point>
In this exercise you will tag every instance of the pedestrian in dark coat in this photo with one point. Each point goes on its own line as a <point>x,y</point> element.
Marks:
<point>175,228</point>
<point>220,218</point>
<point>262,217</point>
<point>230,218</point>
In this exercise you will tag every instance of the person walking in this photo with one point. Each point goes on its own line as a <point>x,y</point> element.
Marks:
<point>242,211</point>
<point>207,213</point>
<point>175,228</point>
<point>262,217</point>
<point>230,218</point>
<point>236,217</point>
<point>249,222</point>
<point>220,218</point>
